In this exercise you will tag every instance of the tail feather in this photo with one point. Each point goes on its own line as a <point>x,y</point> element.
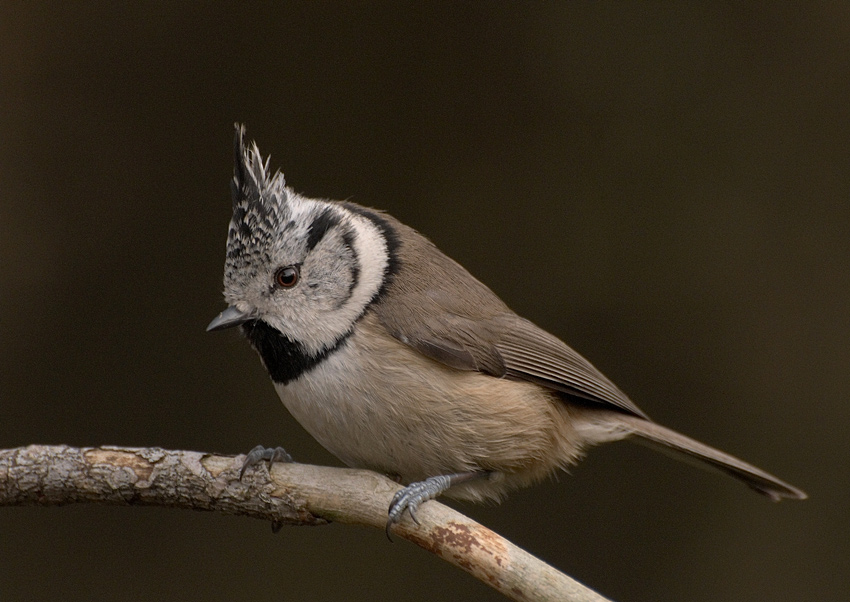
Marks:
<point>667,439</point>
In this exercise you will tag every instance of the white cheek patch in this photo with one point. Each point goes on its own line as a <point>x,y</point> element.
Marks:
<point>359,260</point>
<point>373,258</point>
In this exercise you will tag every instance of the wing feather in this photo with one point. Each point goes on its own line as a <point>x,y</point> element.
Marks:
<point>530,352</point>
<point>442,311</point>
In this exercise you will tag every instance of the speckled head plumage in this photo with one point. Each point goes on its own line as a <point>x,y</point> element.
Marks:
<point>260,211</point>
<point>339,252</point>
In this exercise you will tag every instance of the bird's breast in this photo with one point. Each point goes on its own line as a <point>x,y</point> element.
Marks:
<point>377,403</point>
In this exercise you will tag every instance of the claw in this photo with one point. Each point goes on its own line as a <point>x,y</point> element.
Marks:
<point>260,453</point>
<point>417,493</point>
<point>411,509</point>
<point>412,496</point>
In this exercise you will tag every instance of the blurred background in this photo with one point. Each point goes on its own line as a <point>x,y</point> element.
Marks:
<point>666,187</point>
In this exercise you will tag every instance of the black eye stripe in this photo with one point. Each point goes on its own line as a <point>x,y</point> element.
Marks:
<point>390,237</point>
<point>348,240</point>
<point>323,222</point>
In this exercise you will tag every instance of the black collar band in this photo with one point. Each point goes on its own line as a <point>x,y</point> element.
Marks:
<point>285,359</point>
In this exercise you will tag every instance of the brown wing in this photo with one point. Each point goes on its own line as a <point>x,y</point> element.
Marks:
<point>442,311</point>
<point>531,353</point>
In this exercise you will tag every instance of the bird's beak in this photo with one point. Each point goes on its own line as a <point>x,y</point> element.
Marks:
<point>230,317</point>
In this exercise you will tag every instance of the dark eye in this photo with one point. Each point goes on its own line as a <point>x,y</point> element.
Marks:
<point>287,277</point>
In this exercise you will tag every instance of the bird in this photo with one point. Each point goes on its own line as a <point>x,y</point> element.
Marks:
<point>396,359</point>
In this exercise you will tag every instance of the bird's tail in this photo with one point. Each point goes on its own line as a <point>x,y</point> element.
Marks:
<point>666,439</point>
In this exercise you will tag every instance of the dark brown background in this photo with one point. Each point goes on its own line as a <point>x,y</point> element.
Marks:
<point>666,188</point>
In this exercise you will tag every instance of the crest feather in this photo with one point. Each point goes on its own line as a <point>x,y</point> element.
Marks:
<point>260,203</point>
<point>251,173</point>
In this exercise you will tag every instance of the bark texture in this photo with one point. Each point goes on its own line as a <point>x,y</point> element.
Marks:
<point>289,494</point>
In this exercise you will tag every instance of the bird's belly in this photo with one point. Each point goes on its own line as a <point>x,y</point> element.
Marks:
<point>376,424</point>
<point>403,414</point>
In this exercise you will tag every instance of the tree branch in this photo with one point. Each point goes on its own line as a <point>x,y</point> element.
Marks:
<point>293,494</point>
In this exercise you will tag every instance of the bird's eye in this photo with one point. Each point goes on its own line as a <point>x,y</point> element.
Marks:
<point>287,277</point>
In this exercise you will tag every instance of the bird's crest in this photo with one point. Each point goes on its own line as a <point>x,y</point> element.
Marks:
<point>260,205</point>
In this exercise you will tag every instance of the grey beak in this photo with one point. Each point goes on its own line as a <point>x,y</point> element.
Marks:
<point>230,317</point>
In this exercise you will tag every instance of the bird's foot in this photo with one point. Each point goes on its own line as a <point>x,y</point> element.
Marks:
<point>417,493</point>
<point>264,454</point>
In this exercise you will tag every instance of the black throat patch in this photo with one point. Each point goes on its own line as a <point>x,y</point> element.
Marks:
<point>285,359</point>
